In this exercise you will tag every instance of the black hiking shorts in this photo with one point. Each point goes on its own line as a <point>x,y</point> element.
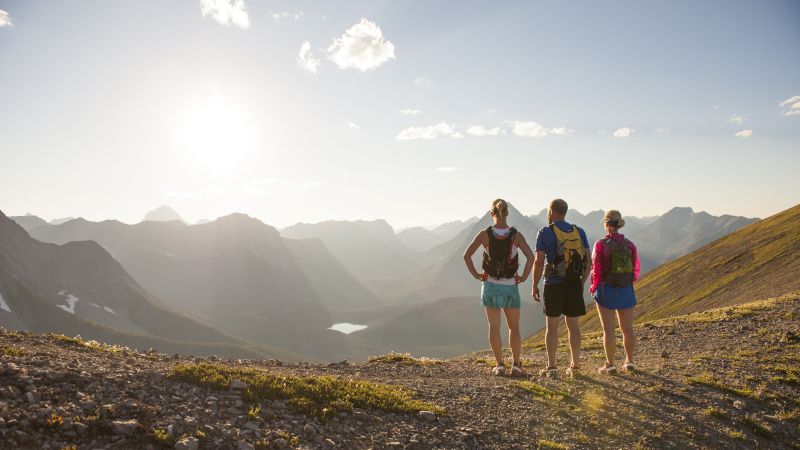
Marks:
<point>565,298</point>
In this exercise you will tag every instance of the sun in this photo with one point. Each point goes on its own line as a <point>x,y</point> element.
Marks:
<point>216,134</point>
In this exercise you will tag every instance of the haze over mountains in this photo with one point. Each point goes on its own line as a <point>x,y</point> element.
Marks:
<point>78,288</point>
<point>285,289</point>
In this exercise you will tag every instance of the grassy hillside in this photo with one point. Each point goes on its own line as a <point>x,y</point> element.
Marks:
<point>757,261</point>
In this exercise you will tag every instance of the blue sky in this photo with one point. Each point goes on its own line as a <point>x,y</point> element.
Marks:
<point>112,108</point>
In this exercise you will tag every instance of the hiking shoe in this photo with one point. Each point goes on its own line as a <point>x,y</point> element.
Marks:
<point>607,369</point>
<point>573,372</point>
<point>628,366</point>
<point>499,370</point>
<point>549,372</point>
<point>517,370</point>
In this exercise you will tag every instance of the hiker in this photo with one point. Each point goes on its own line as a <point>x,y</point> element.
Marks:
<point>499,291</point>
<point>614,270</point>
<point>562,256</point>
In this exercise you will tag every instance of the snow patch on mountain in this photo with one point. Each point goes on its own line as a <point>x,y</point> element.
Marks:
<point>3,305</point>
<point>71,302</point>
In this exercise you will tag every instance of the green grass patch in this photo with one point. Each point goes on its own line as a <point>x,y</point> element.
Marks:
<point>319,396</point>
<point>548,444</point>
<point>13,350</point>
<point>708,380</point>
<point>738,435</point>
<point>714,411</point>
<point>541,391</point>
<point>405,358</point>
<point>759,428</point>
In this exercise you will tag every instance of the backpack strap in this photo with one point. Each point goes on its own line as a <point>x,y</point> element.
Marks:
<point>512,234</point>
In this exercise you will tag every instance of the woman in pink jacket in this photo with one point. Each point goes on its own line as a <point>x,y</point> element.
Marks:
<point>615,267</point>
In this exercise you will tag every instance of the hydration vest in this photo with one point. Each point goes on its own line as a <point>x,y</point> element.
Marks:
<point>570,260</point>
<point>497,259</point>
<point>620,268</point>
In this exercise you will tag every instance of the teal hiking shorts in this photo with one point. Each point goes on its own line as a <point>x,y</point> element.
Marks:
<point>499,295</point>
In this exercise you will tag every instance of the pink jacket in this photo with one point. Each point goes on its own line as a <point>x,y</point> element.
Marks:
<point>601,260</point>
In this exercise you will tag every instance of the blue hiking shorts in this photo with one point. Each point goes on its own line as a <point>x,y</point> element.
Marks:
<point>499,295</point>
<point>612,297</point>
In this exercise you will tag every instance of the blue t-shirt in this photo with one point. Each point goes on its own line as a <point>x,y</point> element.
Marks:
<point>546,242</point>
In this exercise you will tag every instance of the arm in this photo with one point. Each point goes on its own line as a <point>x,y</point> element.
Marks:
<point>636,265</point>
<point>597,266</point>
<point>587,258</point>
<point>538,271</point>
<point>480,240</point>
<point>529,258</point>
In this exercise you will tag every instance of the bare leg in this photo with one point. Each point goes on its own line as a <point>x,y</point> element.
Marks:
<point>609,336</point>
<point>551,340</point>
<point>574,332</point>
<point>625,317</point>
<point>514,338</point>
<point>493,316</point>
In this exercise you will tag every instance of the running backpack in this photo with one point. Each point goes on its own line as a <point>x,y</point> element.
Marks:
<point>620,270</point>
<point>497,259</point>
<point>570,260</point>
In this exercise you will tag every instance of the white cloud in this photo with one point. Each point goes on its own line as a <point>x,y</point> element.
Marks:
<point>480,131</point>
<point>309,185</point>
<point>661,130</point>
<point>744,134</point>
<point>352,125</point>
<point>361,47</point>
<point>532,129</point>
<point>446,169</point>
<point>278,16</point>
<point>306,59</point>
<point>791,106</point>
<point>410,112</point>
<point>422,81</point>
<point>623,132</point>
<point>561,131</point>
<point>5,19</point>
<point>429,132</point>
<point>226,12</point>
<point>737,119</point>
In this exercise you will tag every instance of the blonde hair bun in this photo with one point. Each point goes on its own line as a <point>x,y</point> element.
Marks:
<point>500,207</point>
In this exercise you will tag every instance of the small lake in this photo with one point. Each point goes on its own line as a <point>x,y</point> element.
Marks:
<point>347,328</point>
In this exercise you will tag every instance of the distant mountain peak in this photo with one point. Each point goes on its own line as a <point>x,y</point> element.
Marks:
<point>163,213</point>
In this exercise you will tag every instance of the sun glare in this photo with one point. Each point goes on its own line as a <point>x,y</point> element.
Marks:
<point>215,134</point>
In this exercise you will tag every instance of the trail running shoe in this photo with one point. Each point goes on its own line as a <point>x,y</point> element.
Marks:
<point>606,369</point>
<point>573,372</point>
<point>550,372</point>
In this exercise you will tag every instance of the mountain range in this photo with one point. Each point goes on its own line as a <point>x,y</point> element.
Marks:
<point>284,289</point>
<point>79,288</point>
<point>236,273</point>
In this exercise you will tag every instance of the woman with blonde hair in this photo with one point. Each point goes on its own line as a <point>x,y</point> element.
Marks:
<point>615,267</point>
<point>499,291</point>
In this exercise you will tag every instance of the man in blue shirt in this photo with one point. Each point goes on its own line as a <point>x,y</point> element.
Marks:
<point>564,258</point>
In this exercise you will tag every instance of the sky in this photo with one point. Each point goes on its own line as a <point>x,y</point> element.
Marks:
<point>415,112</point>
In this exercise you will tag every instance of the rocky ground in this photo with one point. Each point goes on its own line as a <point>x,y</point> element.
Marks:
<point>726,378</point>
